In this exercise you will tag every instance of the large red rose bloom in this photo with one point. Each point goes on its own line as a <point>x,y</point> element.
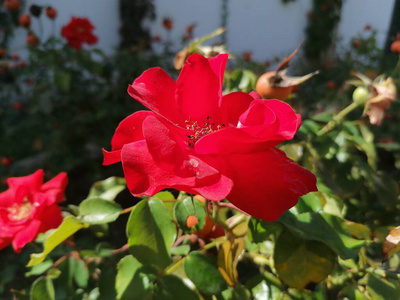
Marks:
<point>79,31</point>
<point>29,207</point>
<point>199,141</point>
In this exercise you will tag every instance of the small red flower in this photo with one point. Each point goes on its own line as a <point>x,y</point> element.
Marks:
<point>51,12</point>
<point>331,84</point>
<point>197,140</point>
<point>247,56</point>
<point>2,52</point>
<point>156,38</point>
<point>25,21</point>
<point>17,105</point>
<point>168,23</point>
<point>328,65</point>
<point>367,27</point>
<point>29,207</point>
<point>6,161</point>
<point>79,31</point>
<point>395,46</point>
<point>12,5</point>
<point>15,57</point>
<point>324,6</point>
<point>356,44</point>
<point>32,40</point>
<point>22,64</point>
<point>190,28</point>
<point>211,230</point>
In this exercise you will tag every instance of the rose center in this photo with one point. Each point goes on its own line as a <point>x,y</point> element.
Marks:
<point>80,29</point>
<point>197,131</point>
<point>20,212</point>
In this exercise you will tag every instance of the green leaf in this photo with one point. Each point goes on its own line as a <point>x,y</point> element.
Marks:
<point>107,189</point>
<point>293,151</point>
<point>266,290</point>
<point>239,293</point>
<point>172,287</point>
<point>180,250</point>
<point>42,288</point>
<point>81,274</point>
<point>325,228</point>
<point>309,203</point>
<point>134,281</point>
<point>151,233</point>
<point>40,268</point>
<point>68,227</point>
<point>94,294</point>
<point>260,230</point>
<point>386,189</point>
<point>187,207</point>
<point>300,262</point>
<point>98,211</point>
<point>382,289</point>
<point>202,271</point>
<point>170,204</point>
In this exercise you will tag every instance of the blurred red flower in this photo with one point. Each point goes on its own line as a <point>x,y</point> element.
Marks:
<point>29,207</point>
<point>247,56</point>
<point>219,146</point>
<point>167,23</point>
<point>79,31</point>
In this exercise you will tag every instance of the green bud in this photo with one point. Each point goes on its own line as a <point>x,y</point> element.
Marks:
<point>360,95</point>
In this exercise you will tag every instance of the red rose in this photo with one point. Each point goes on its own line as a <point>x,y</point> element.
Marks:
<point>29,207</point>
<point>219,146</point>
<point>79,31</point>
<point>51,12</point>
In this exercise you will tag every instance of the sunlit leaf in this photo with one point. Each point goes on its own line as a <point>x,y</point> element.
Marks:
<point>359,231</point>
<point>383,288</point>
<point>134,281</point>
<point>107,189</point>
<point>98,211</point>
<point>68,227</point>
<point>228,256</point>
<point>151,233</point>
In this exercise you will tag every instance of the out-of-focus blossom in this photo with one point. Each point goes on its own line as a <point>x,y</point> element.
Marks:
<point>30,207</point>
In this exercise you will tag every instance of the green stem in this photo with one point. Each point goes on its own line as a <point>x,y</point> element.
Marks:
<point>214,243</point>
<point>127,210</point>
<point>383,273</point>
<point>172,268</point>
<point>216,218</point>
<point>338,118</point>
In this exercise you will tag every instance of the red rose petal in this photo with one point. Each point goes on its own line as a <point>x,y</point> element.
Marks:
<point>145,177</point>
<point>26,235</point>
<point>198,90</point>
<point>155,89</point>
<point>267,183</point>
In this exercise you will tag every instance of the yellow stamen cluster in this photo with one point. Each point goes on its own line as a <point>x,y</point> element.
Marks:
<point>20,212</point>
<point>200,131</point>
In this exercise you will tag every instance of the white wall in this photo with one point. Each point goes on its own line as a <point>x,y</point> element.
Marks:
<point>358,13</point>
<point>264,27</point>
<point>102,13</point>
